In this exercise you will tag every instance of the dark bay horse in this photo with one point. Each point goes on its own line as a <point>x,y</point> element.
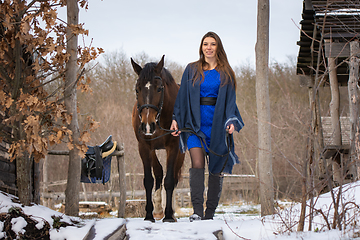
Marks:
<point>156,92</point>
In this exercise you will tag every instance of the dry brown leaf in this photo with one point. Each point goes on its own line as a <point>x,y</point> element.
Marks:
<point>85,137</point>
<point>70,146</point>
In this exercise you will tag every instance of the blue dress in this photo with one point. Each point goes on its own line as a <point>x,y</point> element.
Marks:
<point>208,88</point>
<point>187,113</point>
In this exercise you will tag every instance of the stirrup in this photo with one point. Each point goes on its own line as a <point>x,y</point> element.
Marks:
<point>194,217</point>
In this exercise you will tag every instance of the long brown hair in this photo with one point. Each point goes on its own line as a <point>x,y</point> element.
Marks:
<point>223,65</point>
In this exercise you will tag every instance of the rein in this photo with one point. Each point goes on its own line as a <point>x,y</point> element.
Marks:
<point>202,141</point>
<point>203,144</point>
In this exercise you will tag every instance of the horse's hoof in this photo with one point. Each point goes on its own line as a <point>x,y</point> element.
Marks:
<point>169,219</point>
<point>158,216</point>
<point>150,219</point>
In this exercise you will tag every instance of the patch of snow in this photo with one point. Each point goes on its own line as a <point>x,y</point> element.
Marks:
<point>18,225</point>
<point>40,224</point>
<point>71,232</point>
<point>104,227</point>
<point>234,225</point>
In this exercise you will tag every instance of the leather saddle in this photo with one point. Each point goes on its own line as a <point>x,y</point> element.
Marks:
<point>96,166</point>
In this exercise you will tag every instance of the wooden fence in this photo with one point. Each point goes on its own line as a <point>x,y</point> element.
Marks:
<point>48,198</point>
<point>238,186</point>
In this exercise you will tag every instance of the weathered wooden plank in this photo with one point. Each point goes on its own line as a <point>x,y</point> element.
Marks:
<point>306,54</point>
<point>118,234</point>
<point>8,178</point>
<point>3,147</point>
<point>3,151</point>
<point>92,195</point>
<point>340,35</point>
<point>307,21</point>
<point>304,60</point>
<point>330,150</point>
<point>7,166</point>
<point>9,189</point>
<point>66,152</point>
<point>58,152</point>
<point>333,50</point>
<point>345,130</point>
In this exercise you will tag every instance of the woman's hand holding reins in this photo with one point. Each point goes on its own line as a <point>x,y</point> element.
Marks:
<point>230,129</point>
<point>175,128</point>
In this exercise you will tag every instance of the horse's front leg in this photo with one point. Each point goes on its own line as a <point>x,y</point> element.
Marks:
<point>148,183</point>
<point>158,212</point>
<point>171,179</point>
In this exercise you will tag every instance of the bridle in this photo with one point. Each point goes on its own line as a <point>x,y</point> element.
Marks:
<point>158,108</point>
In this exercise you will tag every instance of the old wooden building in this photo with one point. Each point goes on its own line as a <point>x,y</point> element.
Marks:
<point>7,168</point>
<point>329,56</point>
<point>8,172</point>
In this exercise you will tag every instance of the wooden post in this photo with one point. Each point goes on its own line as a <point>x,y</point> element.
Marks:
<point>122,182</point>
<point>45,179</point>
<point>335,114</point>
<point>84,190</point>
<point>353,105</point>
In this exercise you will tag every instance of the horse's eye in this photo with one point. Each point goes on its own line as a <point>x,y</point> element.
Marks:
<point>159,89</point>
<point>136,90</point>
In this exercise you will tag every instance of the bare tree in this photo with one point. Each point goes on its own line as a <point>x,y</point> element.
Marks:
<point>354,103</point>
<point>73,182</point>
<point>263,110</point>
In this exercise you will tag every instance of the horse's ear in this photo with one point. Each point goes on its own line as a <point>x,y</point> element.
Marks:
<point>136,67</point>
<point>160,65</point>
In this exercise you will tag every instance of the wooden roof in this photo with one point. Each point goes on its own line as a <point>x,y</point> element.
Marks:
<point>337,21</point>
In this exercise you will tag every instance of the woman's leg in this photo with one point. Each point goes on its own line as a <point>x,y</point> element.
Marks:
<point>213,194</point>
<point>197,182</point>
<point>197,157</point>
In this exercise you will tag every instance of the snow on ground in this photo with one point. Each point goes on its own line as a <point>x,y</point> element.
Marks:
<point>233,224</point>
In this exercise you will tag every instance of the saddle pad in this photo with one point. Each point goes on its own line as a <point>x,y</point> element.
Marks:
<point>105,173</point>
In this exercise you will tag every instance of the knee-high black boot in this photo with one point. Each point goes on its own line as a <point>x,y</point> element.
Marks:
<point>213,195</point>
<point>197,191</point>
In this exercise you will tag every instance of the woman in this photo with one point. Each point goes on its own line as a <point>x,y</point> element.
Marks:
<point>206,104</point>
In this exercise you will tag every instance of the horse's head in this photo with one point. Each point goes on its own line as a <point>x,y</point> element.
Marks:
<point>149,94</point>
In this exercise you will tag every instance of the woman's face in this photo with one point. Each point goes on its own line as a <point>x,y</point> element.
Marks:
<point>209,47</point>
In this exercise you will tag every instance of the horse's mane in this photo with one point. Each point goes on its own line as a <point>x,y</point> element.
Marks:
<point>148,71</point>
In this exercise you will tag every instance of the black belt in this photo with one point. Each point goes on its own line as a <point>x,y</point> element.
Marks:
<point>208,101</point>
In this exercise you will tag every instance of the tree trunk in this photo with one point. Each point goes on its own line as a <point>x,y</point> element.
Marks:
<point>73,182</point>
<point>304,184</point>
<point>23,177</point>
<point>334,104</point>
<point>353,104</point>
<point>317,132</point>
<point>23,166</point>
<point>263,110</point>
<point>335,118</point>
<point>317,167</point>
